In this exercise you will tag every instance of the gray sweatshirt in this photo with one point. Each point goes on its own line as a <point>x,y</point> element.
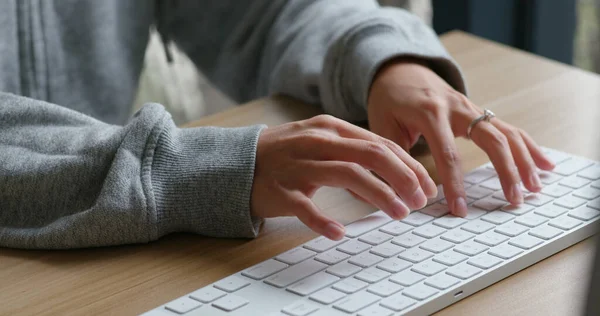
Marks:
<point>76,171</point>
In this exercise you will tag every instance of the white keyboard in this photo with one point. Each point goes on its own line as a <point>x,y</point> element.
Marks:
<point>420,264</point>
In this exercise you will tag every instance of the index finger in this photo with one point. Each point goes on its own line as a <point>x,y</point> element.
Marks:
<point>439,135</point>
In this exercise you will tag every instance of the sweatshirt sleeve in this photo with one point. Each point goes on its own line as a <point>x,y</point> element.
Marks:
<point>321,51</point>
<point>69,181</point>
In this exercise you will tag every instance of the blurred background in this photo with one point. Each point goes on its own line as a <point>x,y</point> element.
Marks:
<point>567,31</point>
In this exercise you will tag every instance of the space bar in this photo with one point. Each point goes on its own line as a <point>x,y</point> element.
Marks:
<point>367,223</point>
<point>295,273</point>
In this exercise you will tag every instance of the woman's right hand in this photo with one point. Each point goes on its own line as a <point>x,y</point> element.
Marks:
<point>295,159</point>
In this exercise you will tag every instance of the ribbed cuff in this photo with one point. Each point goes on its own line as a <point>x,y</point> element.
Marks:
<point>368,48</point>
<point>202,181</point>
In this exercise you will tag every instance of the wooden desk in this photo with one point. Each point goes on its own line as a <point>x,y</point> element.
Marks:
<point>558,105</point>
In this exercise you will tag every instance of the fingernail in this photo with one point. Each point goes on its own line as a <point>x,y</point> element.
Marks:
<point>334,231</point>
<point>535,181</point>
<point>400,209</point>
<point>460,207</point>
<point>433,188</point>
<point>418,199</point>
<point>516,194</point>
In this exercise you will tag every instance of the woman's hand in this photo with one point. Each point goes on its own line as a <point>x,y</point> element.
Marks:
<point>294,160</point>
<point>408,100</point>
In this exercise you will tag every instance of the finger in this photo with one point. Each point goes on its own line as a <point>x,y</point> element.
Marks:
<point>311,216</point>
<point>358,197</point>
<point>439,135</point>
<point>347,130</point>
<point>496,146</point>
<point>541,160</point>
<point>357,179</point>
<point>378,158</point>
<point>524,161</point>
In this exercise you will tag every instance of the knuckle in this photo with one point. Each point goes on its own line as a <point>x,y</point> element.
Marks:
<point>450,156</point>
<point>376,150</point>
<point>513,133</point>
<point>352,170</point>
<point>325,121</point>
<point>498,140</point>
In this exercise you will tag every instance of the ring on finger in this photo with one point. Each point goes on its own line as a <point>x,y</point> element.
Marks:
<point>487,116</point>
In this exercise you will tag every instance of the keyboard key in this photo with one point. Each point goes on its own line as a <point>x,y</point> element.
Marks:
<point>505,251</point>
<point>396,228</point>
<point>450,258</point>
<point>556,156</point>
<point>327,296</point>
<point>500,196</point>
<point>489,204</point>
<point>474,212</point>
<point>570,201</point>
<point>497,217</point>
<point>321,244</point>
<point>230,302</point>
<point>525,241</point>
<point>417,219</point>
<point>375,238</point>
<point>420,292</point>
<point>428,231</point>
<point>477,192</point>
<point>511,229</point>
<point>531,220</point>
<point>365,260</point>
<point>367,224</point>
<point>537,199</point>
<point>565,222</point>
<point>574,182</point>
<point>584,213</point>
<point>428,268</point>
<point>468,200</point>
<point>556,190</point>
<point>415,255</point>
<point>387,250</point>
<point>550,210</point>
<point>457,236</point>
<point>394,265</point>
<point>595,204</point>
<point>398,302</point>
<point>384,288</point>
<point>438,197</point>
<point>343,269</point>
<point>231,284</point>
<point>407,278</point>
<point>436,245</point>
<point>375,310</point>
<point>470,248</point>
<point>332,257</point>
<point>300,308</point>
<point>449,221</point>
<point>463,271</point>
<point>295,273</point>
<point>571,166</point>
<point>372,275</point>
<point>547,177</point>
<point>295,255</point>
<point>356,302</point>
<point>595,184</point>
<point>350,285</point>
<point>545,232</point>
<point>479,175</point>
<point>435,210</point>
<point>484,261</point>
<point>491,239</point>
<point>477,226</point>
<point>492,184</point>
<point>353,247</point>
<point>442,281</point>
<point>408,240</point>
<point>587,193</point>
<point>591,173</point>
<point>313,283</point>
<point>264,269</point>
<point>517,209</point>
<point>182,305</point>
<point>207,294</point>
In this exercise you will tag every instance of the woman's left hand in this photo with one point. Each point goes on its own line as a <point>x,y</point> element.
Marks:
<point>407,100</point>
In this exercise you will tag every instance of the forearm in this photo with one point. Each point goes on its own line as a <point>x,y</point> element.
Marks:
<point>67,180</point>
